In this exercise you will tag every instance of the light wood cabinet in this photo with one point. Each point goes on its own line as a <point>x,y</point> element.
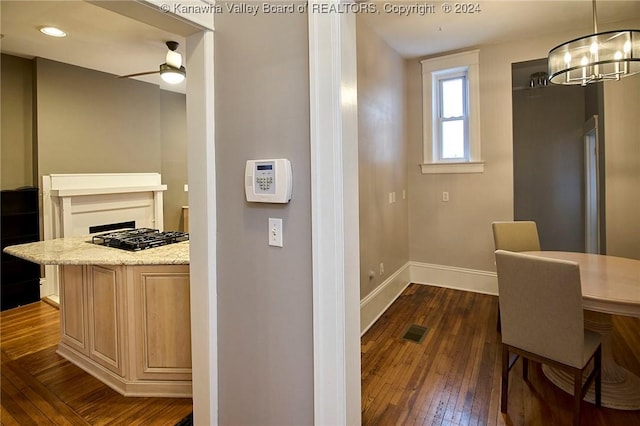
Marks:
<point>129,326</point>
<point>73,318</point>
<point>162,309</point>
<point>106,317</point>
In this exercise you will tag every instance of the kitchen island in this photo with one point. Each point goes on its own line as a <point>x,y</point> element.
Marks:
<point>124,316</point>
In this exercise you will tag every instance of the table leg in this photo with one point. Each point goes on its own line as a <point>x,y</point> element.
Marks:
<point>620,387</point>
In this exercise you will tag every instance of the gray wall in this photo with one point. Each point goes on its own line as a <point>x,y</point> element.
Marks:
<point>59,118</point>
<point>91,122</point>
<point>16,87</point>
<point>548,158</point>
<point>382,159</point>
<point>458,233</point>
<point>173,132</point>
<point>265,347</point>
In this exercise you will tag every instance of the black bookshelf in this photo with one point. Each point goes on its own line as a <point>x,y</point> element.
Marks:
<point>20,283</point>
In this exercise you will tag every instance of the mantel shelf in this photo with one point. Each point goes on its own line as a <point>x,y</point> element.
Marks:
<point>77,192</point>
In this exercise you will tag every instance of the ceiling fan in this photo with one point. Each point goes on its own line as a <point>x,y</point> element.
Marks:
<point>172,70</point>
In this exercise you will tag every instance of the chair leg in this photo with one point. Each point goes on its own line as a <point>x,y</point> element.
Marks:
<point>577,396</point>
<point>525,368</point>
<point>597,365</point>
<point>498,326</point>
<point>505,379</point>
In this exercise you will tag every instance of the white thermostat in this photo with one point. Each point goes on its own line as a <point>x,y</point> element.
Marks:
<point>268,181</point>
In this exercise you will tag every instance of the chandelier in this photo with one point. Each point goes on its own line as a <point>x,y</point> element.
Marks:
<point>603,56</point>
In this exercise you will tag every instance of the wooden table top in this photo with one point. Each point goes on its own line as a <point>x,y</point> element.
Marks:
<point>610,284</point>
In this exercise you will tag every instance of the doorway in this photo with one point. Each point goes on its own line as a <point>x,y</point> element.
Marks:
<point>591,186</point>
<point>548,157</point>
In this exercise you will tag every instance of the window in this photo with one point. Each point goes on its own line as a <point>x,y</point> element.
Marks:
<point>451,114</point>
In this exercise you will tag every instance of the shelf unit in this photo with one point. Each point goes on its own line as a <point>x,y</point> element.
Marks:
<point>20,224</point>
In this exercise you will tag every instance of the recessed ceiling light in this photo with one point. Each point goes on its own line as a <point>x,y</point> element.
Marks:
<point>52,31</point>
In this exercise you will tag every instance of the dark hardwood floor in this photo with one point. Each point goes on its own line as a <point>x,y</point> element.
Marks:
<point>39,387</point>
<point>453,376</point>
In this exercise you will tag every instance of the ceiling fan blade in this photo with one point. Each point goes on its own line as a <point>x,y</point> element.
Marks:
<point>174,59</point>
<point>138,74</point>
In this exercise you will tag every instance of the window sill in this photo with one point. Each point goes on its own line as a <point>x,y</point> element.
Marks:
<point>466,167</point>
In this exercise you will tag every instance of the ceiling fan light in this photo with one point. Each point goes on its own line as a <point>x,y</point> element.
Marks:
<point>172,75</point>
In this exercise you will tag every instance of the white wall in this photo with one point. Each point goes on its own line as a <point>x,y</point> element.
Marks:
<point>622,165</point>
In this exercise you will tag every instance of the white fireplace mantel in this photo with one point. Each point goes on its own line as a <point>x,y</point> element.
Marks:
<point>72,203</point>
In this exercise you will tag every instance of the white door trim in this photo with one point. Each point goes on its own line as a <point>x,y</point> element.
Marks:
<point>334,207</point>
<point>202,218</point>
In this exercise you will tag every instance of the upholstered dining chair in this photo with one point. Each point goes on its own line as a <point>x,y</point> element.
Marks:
<point>519,235</point>
<point>542,321</point>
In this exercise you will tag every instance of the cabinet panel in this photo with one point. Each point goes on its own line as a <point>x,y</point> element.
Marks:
<point>106,316</point>
<point>163,323</point>
<point>73,320</point>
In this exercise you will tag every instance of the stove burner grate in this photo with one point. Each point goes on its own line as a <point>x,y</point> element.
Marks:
<point>139,239</point>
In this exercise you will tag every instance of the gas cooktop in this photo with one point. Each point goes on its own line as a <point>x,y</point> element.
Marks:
<point>139,239</point>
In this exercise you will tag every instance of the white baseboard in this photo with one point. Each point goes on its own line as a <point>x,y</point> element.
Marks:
<point>376,302</point>
<point>452,277</point>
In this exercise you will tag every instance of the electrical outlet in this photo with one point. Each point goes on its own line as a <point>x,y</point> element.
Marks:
<point>445,196</point>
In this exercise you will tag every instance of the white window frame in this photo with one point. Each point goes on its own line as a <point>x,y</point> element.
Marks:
<point>433,70</point>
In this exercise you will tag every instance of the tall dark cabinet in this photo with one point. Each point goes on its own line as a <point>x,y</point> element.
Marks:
<point>19,222</point>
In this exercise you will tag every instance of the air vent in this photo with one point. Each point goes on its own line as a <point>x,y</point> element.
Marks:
<point>415,333</point>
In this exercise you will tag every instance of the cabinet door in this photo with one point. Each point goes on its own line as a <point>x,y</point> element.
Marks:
<point>73,318</point>
<point>106,310</point>
<point>162,322</point>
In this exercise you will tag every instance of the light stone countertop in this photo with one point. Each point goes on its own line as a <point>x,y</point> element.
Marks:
<point>80,251</point>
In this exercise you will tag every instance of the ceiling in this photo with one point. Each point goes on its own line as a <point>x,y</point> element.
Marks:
<point>495,21</point>
<point>97,38</point>
<point>104,40</point>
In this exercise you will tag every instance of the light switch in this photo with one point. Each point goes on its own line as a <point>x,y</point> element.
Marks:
<point>275,232</point>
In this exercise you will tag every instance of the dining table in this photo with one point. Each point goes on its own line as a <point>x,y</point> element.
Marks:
<point>610,286</point>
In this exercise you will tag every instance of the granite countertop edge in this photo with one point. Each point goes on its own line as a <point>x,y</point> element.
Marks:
<point>80,251</point>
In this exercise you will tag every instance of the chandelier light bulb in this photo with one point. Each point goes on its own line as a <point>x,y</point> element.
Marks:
<point>567,58</point>
<point>594,48</point>
<point>627,47</point>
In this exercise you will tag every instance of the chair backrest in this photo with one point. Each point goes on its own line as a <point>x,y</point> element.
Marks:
<point>541,306</point>
<point>516,236</point>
